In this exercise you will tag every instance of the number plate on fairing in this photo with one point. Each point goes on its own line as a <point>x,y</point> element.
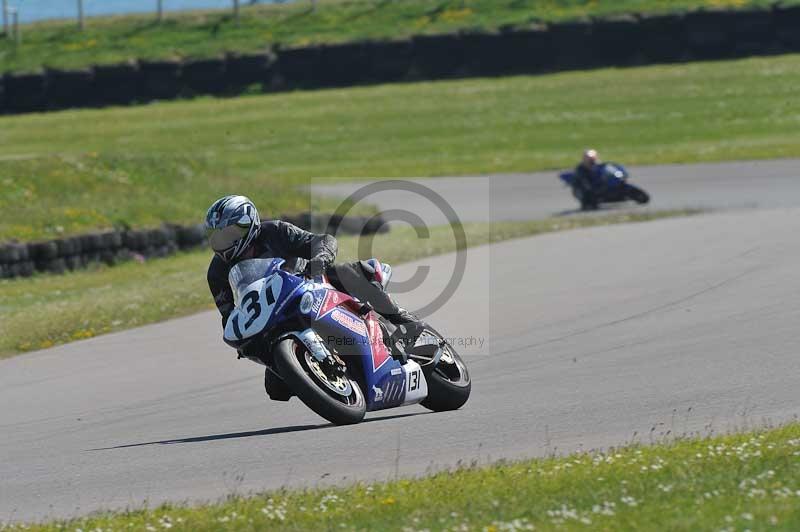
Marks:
<point>416,385</point>
<point>255,305</point>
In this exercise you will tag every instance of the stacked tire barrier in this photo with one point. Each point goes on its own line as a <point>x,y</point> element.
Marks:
<point>619,40</point>
<point>112,247</point>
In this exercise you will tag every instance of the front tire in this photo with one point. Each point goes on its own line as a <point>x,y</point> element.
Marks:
<point>295,366</point>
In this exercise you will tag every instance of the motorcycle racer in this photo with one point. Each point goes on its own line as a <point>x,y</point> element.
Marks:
<point>585,180</point>
<point>235,233</point>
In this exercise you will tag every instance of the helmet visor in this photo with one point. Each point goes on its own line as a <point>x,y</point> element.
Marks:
<point>226,238</point>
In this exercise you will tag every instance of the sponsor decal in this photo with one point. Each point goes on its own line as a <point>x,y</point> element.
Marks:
<point>306,302</point>
<point>378,393</point>
<point>393,390</point>
<point>349,321</point>
<point>331,301</point>
<point>397,371</point>
<point>315,344</point>
<point>380,355</point>
<point>316,304</point>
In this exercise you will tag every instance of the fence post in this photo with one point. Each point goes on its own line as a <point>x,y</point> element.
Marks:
<point>236,11</point>
<point>160,8</point>
<point>80,14</point>
<point>5,19</point>
<point>17,31</point>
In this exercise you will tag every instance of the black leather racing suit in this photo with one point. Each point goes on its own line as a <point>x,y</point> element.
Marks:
<point>296,246</point>
<point>585,183</point>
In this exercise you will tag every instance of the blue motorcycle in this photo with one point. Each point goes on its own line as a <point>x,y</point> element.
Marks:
<point>336,354</point>
<point>609,185</point>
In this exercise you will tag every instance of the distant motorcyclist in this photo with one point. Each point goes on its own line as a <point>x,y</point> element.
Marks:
<point>235,233</point>
<point>586,181</point>
<point>594,183</point>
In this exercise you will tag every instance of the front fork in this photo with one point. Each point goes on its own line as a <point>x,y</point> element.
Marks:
<point>319,351</point>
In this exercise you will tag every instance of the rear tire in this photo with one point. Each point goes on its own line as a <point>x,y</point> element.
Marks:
<point>638,195</point>
<point>291,361</point>
<point>449,383</point>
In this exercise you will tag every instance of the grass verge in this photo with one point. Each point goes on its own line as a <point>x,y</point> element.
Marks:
<point>46,310</point>
<point>746,481</point>
<point>60,44</point>
<point>72,171</point>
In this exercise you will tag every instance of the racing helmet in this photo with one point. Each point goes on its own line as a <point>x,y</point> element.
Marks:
<point>590,157</point>
<point>232,223</point>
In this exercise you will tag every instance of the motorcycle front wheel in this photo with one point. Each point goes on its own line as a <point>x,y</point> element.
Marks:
<point>337,398</point>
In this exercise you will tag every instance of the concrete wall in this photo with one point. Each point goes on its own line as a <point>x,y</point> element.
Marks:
<point>622,40</point>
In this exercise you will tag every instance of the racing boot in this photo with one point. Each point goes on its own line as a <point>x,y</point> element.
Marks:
<point>408,328</point>
<point>276,388</point>
<point>385,305</point>
<point>401,317</point>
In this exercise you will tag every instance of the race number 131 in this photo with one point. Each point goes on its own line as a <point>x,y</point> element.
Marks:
<point>413,381</point>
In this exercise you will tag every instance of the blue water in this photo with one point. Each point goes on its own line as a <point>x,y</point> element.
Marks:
<point>31,10</point>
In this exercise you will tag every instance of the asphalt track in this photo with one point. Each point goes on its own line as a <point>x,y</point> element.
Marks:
<point>735,185</point>
<point>591,338</point>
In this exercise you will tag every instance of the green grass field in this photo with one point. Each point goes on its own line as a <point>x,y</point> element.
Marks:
<point>46,310</point>
<point>746,481</point>
<point>208,33</point>
<point>67,172</point>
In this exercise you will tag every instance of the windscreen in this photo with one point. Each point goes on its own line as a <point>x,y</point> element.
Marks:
<point>610,170</point>
<point>249,271</point>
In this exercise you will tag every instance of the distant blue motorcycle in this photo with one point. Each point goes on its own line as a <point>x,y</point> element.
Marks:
<point>610,185</point>
<point>336,354</point>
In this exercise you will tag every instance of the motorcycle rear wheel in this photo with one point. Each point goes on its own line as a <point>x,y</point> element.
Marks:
<point>449,383</point>
<point>296,367</point>
<point>637,194</point>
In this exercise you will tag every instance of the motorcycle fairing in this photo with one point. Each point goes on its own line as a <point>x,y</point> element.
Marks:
<point>257,303</point>
<point>333,298</point>
<point>416,385</point>
<point>405,386</point>
<point>608,175</point>
<point>261,290</point>
<point>330,315</point>
<point>387,382</point>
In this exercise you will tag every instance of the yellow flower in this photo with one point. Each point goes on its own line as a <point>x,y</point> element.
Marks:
<point>452,15</point>
<point>81,334</point>
<point>388,500</point>
<point>422,22</point>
